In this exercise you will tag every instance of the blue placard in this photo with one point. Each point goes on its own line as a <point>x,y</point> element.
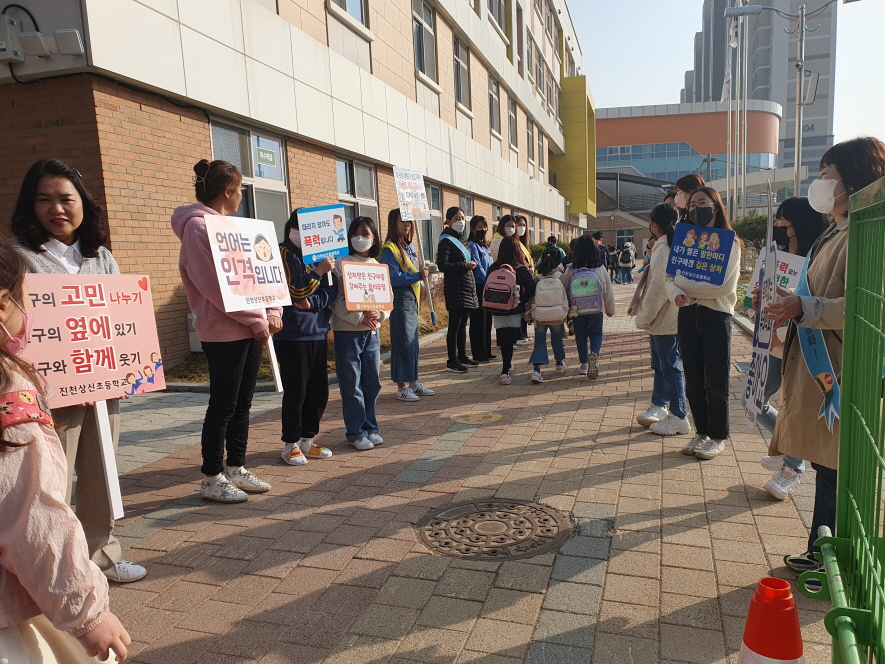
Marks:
<point>323,233</point>
<point>700,253</point>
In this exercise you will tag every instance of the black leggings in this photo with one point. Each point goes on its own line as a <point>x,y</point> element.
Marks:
<point>480,334</point>
<point>305,377</point>
<point>456,337</point>
<point>507,338</point>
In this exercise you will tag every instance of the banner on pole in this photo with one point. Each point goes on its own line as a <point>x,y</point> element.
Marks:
<point>323,233</point>
<point>247,262</point>
<point>94,337</point>
<point>411,193</point>
<point>757,376</point>
<point>366,286</point>
<point>701,253</point>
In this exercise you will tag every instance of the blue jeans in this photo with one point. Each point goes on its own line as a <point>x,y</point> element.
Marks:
<point>588,327</point>
<point>668,386</point>
<point>404,336</point>
<point>539,353</point>
<point>625,275</point>
<point>358,366</point>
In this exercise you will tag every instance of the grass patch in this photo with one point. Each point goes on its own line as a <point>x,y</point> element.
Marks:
<point>194,369</point>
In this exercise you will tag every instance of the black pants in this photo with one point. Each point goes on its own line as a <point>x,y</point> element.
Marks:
<point>824,503</point>
<point>507,338</point>
<point>480,333</point>
<point>705,346</point>
<point>524,330</point>
<point>233,370</point>
<point>456,337</point>
<point>305,377</point>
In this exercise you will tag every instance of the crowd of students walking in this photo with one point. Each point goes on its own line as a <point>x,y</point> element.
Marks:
<point>56,565</point>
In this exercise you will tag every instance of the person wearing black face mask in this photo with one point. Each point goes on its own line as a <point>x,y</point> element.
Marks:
<point>480,319</point>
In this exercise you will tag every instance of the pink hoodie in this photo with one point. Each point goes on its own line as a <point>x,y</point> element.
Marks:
<point>211,322</point>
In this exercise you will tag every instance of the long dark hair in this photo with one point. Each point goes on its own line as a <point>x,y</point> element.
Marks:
<point>93,231</point>
<point>291,223</point>
<point>475,221</point>
<point>393,218</point>
<point>12,277</point>
<point>807,223</point>
<point>665,216</point>
<point>690,183</point>
<point>369,223</point>
<point>499,229</point>
<point>452,211</point>
<point>550,260</point>
<point>586,253</point>
<point>524,239</point>
<point>509,253</point>
<point>720,218</point>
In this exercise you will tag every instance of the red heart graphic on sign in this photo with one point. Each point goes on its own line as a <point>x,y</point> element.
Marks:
<point>143,283</point>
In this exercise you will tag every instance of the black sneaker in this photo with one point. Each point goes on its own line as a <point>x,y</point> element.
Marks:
<point>803,562</point>
<point>456,367</point>
<point>492,357</point>
<point>467,362</point>
<point>482,360</point>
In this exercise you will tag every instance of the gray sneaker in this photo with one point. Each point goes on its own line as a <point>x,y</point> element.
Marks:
<point>421,391</point>
<point>222,491</point>
<point>692,445</point>
<point>247,481</point>
<point>709,448</point>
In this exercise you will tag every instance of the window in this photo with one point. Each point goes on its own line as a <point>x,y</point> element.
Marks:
<point>355,8</point>
<point>356,189</point>
<point>550,84</point>
<point>424,37</point>
<point>549,20</point>
<point>462,73</point>
<point>530,139</point>
<point>496,9</point>
<point>530,68</point>
<point>434,197</point>
<point>551,179</point>
<point>623,235</point>
<point>431,228</point>
<point>539,7</point>
<point>558,105</point>
<point>539,73</point>
<point>495,105</point>
<point>540,148</point>
<point>572,71</point>
<point>465,202</point>
<point>511,119</point>
<point>260,159</point>
<point>498,212</point>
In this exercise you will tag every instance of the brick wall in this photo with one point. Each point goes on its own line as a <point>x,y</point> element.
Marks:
<point>387,199</point>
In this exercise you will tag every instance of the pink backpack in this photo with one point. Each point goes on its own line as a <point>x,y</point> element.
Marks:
<point>500,293</point>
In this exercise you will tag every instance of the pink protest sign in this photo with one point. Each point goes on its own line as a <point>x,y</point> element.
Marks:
<point>366,286</point>
<point>94,336</point>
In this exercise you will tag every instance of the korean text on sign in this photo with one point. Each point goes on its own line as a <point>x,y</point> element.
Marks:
<point>701,253</point>
<point>94,337</point>
<point>323,233</point>
<point>789,267</point>
<point>366,286</point>
<point>411,194</point>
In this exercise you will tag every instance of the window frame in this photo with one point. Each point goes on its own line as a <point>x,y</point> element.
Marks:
<point>462,68</point>
<point>540,66</point>
<point>530,139</point>
<point>495,105</point>
<point>549,22</point>
<point>494,7</point>
<point>420,31</point>
<point>359,204</point>
<point>465,202</point>
<point>541,159</point>
<point>344,5</point>
<point>497,212</point>
<point>513,122</point>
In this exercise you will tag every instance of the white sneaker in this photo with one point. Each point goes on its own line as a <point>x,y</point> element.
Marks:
<point>362,444</point>
<point>406,394</point>
<point>125,572</point>
<point>537,377</point>
<point>671,426</point>
<point>506,379</point>
<point>222,491</point>
<point>375,439</point>
<point>653,415</point>
<point>783,483</point>
<point>593,368</point>
<point>690,447</point>
<point>421,391</point>
<point>709,448</point>
<point>520,342</point>
<point>582,370</point>
<point>560,368</point>
<point>247,481</point>
<point>772,463</point>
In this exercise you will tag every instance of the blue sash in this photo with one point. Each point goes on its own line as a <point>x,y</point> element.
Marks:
<point>460,245</point>
<point>817,359</point>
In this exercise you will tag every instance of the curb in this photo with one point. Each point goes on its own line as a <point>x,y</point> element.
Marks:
<point>270,387</point>
<point>745,324</point>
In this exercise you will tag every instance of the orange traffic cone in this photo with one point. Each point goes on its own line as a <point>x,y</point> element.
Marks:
<point>772,634</point>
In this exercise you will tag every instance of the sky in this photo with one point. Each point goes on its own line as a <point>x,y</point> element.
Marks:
<point>636,52</point>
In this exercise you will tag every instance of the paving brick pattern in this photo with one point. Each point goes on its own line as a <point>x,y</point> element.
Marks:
<point>326,568</point>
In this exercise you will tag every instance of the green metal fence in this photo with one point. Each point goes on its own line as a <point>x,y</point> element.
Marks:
<point>854,559</point>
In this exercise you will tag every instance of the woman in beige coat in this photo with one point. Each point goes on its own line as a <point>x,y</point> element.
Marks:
<point>801,432</point>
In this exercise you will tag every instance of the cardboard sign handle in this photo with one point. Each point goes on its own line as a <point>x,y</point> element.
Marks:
<point>109,458</point>
<point>272,357</point>
<point>415,225</point>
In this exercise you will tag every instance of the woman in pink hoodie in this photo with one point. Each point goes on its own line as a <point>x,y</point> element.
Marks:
<point>231,341</point>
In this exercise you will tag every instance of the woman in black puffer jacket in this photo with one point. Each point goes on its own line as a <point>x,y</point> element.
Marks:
<point>454,261</point>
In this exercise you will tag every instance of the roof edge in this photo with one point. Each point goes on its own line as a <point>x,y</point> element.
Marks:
<point>756,105</point>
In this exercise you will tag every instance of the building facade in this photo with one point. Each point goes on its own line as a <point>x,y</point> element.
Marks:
<point>315,102</point>
<point>772,71</point>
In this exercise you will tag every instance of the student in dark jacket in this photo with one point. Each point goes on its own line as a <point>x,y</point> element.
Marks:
<point>455,262</point>
<point>302,348</point>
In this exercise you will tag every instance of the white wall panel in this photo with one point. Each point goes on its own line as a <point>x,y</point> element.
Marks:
<point>349,130</point>
<point>345,80</point>
<point>271,96</point>
<point>266,37</point>
<point>219,19</point>
<point>314,109</point>
<point>377,141</point>
<point>203,59</point>
<point>310,60</point>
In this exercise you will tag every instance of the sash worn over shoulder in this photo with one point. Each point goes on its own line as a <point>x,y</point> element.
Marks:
<point>406,265</point>
<point>464,250</point>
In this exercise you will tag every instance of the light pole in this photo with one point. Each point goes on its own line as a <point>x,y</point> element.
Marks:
<point>801,20</point>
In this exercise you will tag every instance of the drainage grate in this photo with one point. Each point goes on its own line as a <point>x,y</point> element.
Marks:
<point>494,530</point>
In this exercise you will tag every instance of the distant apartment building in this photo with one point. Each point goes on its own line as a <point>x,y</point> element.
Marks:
<point>772,71</point>
<point>315,101</point>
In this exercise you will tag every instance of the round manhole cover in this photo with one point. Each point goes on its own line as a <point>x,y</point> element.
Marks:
<point>476,417</point>
<point>493,530</point>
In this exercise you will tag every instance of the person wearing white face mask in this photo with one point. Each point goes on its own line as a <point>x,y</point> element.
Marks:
<point>506,228</point>
<point>807,423</point>
<point>455,262</point>
<point>522,233</point>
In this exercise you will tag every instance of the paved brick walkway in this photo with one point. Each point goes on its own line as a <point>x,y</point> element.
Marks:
<point>326,568</point>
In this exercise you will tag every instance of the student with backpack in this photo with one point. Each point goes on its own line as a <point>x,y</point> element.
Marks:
<point>626,263</point>
<point>509,287</point>
<point>548,310</point>
<point>590,295</point>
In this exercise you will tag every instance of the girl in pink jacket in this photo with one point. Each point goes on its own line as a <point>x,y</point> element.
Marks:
<point>51,594</point>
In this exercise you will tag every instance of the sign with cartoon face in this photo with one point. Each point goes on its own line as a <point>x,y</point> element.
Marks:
<point>789,268</point>
<point>94,337</point>
<point>366,286</point>
<point>248,263</point>
<point>323,233</point>
<point>700,253</point>
<point>411,193</point>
